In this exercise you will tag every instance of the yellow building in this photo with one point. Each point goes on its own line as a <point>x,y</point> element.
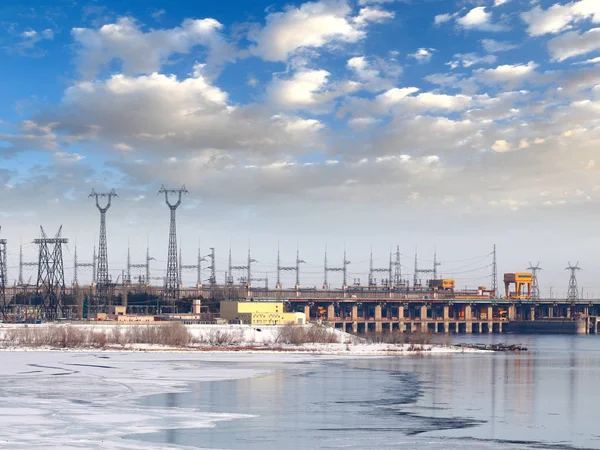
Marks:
<point>259,313</point>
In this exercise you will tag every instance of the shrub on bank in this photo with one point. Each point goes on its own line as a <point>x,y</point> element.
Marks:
<point>298,335</point>
<point>172,334</point>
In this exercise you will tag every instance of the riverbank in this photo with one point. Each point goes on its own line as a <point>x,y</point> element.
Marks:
<point>175,337</point>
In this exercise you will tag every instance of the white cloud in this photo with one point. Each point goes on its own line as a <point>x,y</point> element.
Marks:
<point>361,67</point>
<point>573,44</point>
<point>311,25</point>
<point>422,54</point>
<point>362,122</point>
<point>493,46</point>
<point>305,88</point>
<point>590,61</point>
<point>395,95</point>
<point>500,2</point>
<point>66,158</point>
<point>501,146</point>
<point>374,15</point>
<point>145,52</point>
<point>506,73</point>
<point>122,147</point>
<point>162,115</point>
<point>478,19</point>
<point>470,59</point>
<point>443,18</point>
<point>560,17</point>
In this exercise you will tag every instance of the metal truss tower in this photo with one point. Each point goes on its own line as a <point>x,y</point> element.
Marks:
<point>77,265</point>
<point>398,282</point>
<point>295,268</point>
<point>343,269</point>
<point>213,268</point>
<point>229,275</point>
<point>248,268</point>
<point>373,271</point>
<point>172,281</point>
<point>3,278</point>
<point>435,265</point>
<point>417,280</point>
<point>495,274</point>
<point>145,266</point>
<point>197,267</point>
<point>23,264</point>
<point>535,288</point>
<point>573,292</point>
<point>325,281</point>
<point>51,276</point>
<point>103,279</point>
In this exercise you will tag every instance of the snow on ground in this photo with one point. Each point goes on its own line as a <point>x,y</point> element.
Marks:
<point>236,338</point>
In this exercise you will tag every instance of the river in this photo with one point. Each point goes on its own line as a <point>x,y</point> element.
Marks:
<point>542,398</point>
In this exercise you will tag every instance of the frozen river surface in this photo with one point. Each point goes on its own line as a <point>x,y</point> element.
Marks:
<point>544,398</point>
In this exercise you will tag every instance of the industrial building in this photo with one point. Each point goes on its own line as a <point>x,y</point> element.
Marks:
<point>260,313</point>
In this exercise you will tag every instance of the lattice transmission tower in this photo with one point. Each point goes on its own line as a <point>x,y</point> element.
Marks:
<point>387,270</point>
<point>145,266</point>
<point>3,268</point>
<point>77,265</point>
<point>213,268</point>
<point>247,268</point>
<point>197,267</point>
<point>416,279</point>
<point>343,269</point>
<point>171,291</point>
<point>535,287</point>
<point>51,276</point>
<point>103,280</point>
<point>295,268</point>
<point>23,264</point>
<point>495,274</point>
<point>573,292</point>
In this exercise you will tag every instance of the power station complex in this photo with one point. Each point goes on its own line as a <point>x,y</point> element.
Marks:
<point>387,302</point>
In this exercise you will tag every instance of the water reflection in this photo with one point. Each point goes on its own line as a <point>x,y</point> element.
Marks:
<point>543,397</point>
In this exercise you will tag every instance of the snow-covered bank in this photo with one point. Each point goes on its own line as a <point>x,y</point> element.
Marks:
<point>215,338</point>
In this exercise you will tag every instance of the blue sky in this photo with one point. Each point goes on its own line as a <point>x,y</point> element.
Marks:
<point>455,124</point>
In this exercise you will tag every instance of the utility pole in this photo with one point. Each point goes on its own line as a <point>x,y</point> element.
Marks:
<point>573,292</point>
<point>171,289</point>
<point>535,288</point>
<point>51,276</point>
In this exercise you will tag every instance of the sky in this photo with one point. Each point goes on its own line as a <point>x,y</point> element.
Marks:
<point>433,125</point>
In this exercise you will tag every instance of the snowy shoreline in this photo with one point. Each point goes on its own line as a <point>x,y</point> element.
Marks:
<point>206,339</point>
<point>351,350</point>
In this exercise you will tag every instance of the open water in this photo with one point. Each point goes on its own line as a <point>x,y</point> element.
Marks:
<point>547,397</point>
